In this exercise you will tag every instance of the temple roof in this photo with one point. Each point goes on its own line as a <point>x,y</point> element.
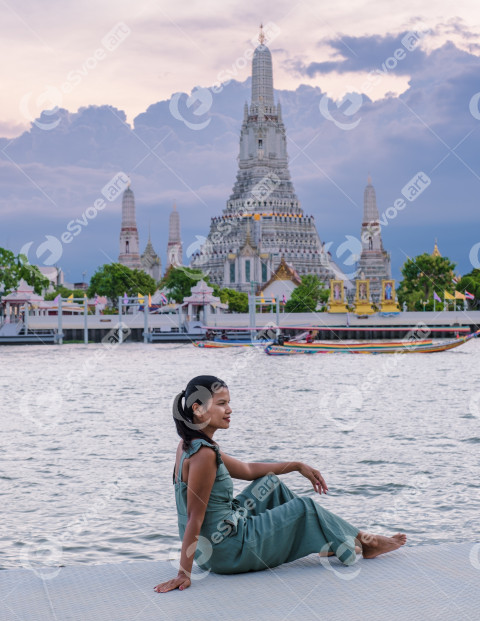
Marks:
<point>150,252</point>
<point>436,251</point>
<point>284,271</point>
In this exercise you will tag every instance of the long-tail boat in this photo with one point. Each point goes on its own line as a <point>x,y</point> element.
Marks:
<point>407,347</point>
<point>224,344</point>
<point>357,345</point>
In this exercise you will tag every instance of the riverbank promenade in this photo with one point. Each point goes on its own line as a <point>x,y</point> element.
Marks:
<point>439,582</point>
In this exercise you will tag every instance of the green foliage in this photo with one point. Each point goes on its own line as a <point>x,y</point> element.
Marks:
<point>113,280</point>
<point>15,267</point>
<point>422,276</point>
<point>237,301</point>
<point>64,293</point>
<point>471,283</point>
<point>306,297</point>
<point>179,282</point>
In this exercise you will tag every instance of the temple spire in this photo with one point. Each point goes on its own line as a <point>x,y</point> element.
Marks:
<point>261,36</point>
<point>370,210</point>
<point>374,261</point>
<point>262,74</point>
<point>436,251</point>
<point>129,251</point>
<point>272,221</point>
<point>174,246</point>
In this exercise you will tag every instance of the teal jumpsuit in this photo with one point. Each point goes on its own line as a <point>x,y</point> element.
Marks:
<point>264,526</point>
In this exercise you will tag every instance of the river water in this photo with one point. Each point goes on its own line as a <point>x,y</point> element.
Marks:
<point>88,442</point>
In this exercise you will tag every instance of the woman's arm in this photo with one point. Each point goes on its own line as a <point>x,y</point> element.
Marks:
<point>254,470</point>
<point>201,475</point>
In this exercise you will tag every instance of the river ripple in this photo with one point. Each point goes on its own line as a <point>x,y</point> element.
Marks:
<point>88,442</point>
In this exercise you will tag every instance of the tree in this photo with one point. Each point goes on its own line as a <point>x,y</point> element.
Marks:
<point>114,279</point>
<point>471,283</point>
<point>422,276</point>
<point>64,293</point>
<point>14,268</point>
<point>179,281</point>
<point>306,297</point>
<point>237,300</point>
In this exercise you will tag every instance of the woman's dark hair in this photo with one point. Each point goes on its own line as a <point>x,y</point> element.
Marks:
<point>199,390</point>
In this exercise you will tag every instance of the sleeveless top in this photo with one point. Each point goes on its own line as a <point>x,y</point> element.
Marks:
<point>221,506</point>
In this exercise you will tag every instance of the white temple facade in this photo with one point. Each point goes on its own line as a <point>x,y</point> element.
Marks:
<point>174,246</point>
<point>263,219</point>
<point>374,262</point>
<point>129,248</point>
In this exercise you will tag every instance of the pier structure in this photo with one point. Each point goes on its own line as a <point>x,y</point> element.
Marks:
<point>440,582</point>
<point>174,325</point>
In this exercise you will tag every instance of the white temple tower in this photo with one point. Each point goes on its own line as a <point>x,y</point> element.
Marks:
<point>374,263</point>
<point>174,246</point>
<point>263,220</point>
<point>129,250</point>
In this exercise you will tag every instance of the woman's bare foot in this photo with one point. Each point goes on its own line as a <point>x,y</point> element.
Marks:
<point>374,545</point>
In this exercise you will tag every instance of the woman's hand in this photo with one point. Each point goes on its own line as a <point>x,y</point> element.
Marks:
<point>182,581</point>
<point>314,476</point>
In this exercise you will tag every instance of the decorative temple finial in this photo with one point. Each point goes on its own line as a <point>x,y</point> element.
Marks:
<point>261,36</point>
<point>436,251</point>
<point>174,205</point>
<point>369,179</point>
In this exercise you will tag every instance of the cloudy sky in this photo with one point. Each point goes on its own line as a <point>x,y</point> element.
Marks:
<point>366,87</point>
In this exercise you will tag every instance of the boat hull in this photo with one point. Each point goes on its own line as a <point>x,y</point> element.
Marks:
<point>226,344</point>
<point>405,348</point>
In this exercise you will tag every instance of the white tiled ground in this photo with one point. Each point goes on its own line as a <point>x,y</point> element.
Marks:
<point>425,582</point>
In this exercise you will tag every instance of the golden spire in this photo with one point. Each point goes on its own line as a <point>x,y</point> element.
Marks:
<point>436,251</point>
<point>261,36</point>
